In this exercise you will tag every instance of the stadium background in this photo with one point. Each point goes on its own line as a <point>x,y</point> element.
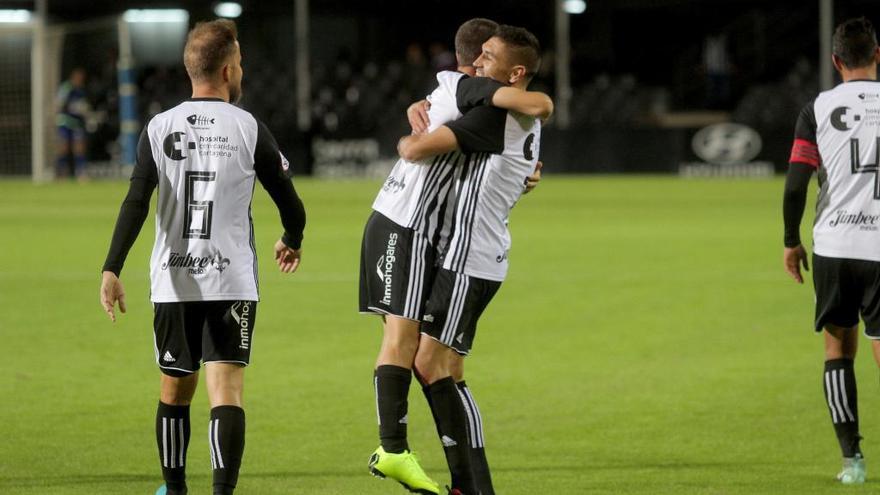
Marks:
<point>647,340</point>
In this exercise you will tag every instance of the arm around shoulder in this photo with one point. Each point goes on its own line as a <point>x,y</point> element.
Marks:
<point>418,147</point>
<point>533,103</point>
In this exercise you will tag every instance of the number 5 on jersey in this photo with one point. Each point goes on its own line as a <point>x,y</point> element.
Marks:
<point>197,224</point>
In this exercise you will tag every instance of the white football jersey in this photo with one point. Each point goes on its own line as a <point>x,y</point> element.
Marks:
<point>502,150</point>
<point>204,251</point>
<point>847,127</point>
<point>415,193</point>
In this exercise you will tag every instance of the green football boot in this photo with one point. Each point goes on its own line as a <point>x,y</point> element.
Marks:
<point>403,468</point>
<point>853,471</point>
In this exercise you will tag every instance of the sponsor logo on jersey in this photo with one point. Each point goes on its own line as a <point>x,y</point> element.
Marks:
<point>529,147</point>
<point>860,219</point>
<point>501,257</point>
<point>196,265</point>
<point>869,96</point>
<point>200,121</point>
<point>394,185</point>
<point>174,144</point>
<point>216,146</point>
<point>385,267</point>
<point>844,119</point>
<point>241,313</point>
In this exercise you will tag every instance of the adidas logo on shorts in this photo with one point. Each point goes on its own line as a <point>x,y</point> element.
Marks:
<point>448,442</point>
<point>168,358</point>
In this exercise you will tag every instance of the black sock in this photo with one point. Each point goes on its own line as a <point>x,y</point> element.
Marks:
<point>479,464</point>
<point>452,421</point>
<point>172,437</point>
<point>426,389</point>
<point>226,440</point>
<point>840,392</point>
<point>392,388</point>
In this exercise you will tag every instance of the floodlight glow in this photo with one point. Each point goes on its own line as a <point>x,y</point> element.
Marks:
<point>156,15</point>
<point>17,16</point>
<point>227,9</point>
<point>574,6</point>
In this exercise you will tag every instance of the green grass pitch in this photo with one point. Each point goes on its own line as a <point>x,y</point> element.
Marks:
<point>647,341</point>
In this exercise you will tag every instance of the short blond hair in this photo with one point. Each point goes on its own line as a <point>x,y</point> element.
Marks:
<point>209,45</point>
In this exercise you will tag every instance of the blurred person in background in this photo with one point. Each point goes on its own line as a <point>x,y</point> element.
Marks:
<point>72,108</point>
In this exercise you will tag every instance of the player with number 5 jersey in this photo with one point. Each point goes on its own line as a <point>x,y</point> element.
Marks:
<point>204,157</point>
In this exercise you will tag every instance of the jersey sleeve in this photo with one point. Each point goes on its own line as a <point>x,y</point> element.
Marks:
<point>273,172</point>
<point>135,206</point>
<point>804,149</point>
<point>480,130</point>
<point>474,92</point>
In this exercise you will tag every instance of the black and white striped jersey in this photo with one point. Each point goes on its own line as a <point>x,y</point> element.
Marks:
<point>203,155</point>
<point>839,135</point>
<point>415,193</point>
<point>502,151</point>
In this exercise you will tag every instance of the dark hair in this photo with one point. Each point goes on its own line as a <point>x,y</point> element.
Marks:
<point>524,47</point>
<point>208,46</point>
<point>855,42</point>
<point>470,37</point>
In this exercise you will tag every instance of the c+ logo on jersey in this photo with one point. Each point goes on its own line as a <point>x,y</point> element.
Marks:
<point>843,120</point>
<point>174,144</point>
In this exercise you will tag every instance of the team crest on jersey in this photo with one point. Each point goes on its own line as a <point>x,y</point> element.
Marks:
<point>219,262</point>
<point>174,145</point>
<point>844,118</point>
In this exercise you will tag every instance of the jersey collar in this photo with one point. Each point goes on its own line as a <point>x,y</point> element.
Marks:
<point>207,99</point>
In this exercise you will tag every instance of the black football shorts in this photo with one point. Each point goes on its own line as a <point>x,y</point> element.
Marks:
<point>845,289</point>
<point>397,267</point>
<point>455,303</point>
<point>187,333</point>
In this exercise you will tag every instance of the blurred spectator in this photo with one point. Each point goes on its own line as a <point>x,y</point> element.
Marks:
<point>72,108</point>
<point>716,63</point>
<point>441,58</point>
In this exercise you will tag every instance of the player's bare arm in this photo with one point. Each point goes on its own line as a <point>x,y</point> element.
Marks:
<point>418,147</point>
<point>533,103</point>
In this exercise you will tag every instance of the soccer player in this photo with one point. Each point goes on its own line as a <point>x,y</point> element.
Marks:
<point>72,106</point>
<point>399,250</point>
<point>838,136</point>
<point>204,155</point>
<point>501,150</point>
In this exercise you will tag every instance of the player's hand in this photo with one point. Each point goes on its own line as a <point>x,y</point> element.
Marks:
<point>417,114</point>
<point>532,180</point>
<point>793,259</point>
<point>287,258</point>
<point>111,293</point>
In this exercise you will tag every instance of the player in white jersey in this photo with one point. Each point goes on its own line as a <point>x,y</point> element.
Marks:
<point>204,156</point>
<point>501,149</point>
<point>838,135</point>
<point>398,250</point>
